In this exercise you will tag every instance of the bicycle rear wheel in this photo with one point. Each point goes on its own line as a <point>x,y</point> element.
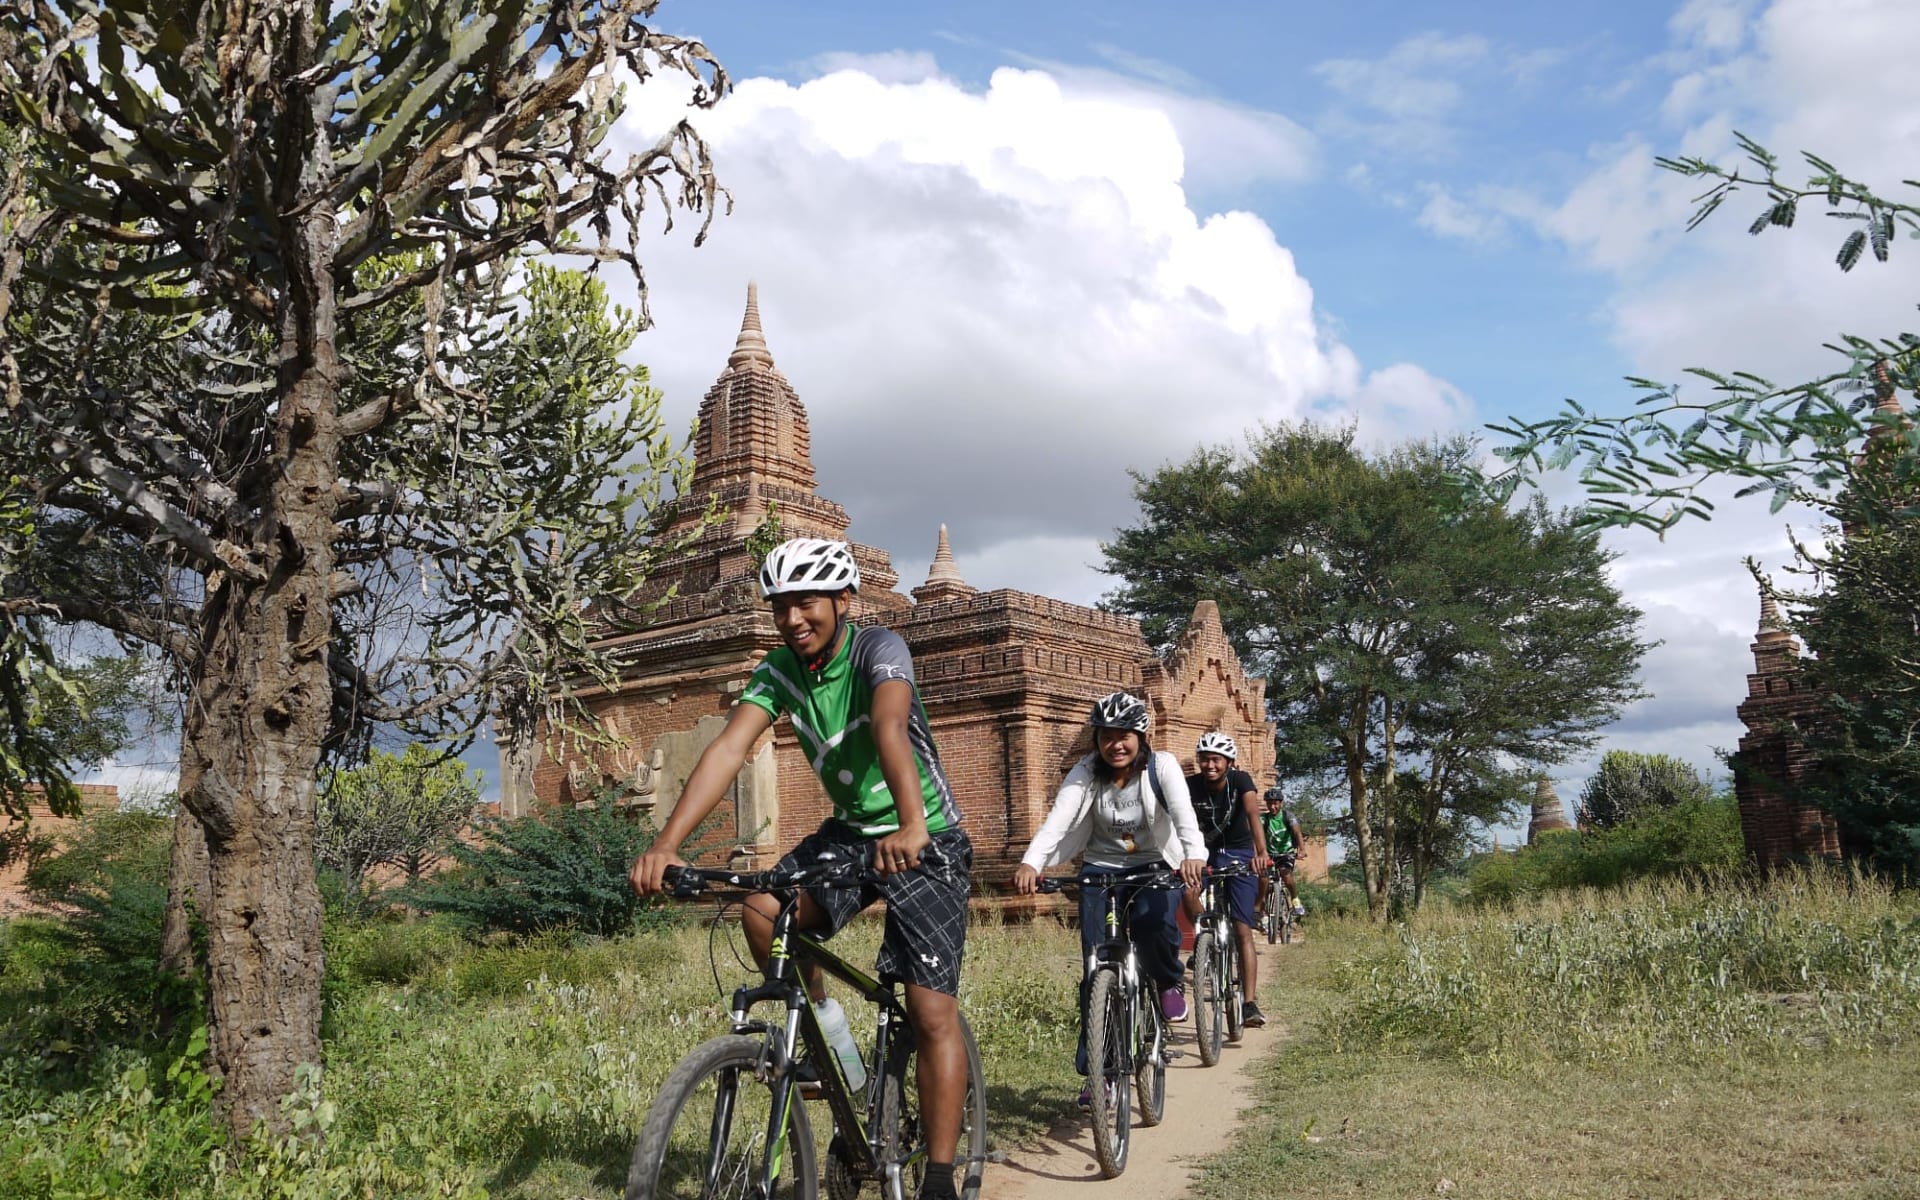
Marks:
<point>1208,1014</point>
<point>906,1134</point>
<point>706,1136</point>
<point>1109,1034</point>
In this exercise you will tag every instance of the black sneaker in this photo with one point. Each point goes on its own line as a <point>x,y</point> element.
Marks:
<point>1251,1016</point>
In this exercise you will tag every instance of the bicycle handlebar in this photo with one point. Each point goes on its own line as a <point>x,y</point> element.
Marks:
<point>1153,877</point>
<point>687,882</point>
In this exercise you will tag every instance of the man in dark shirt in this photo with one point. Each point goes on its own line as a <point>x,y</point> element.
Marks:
<point>1228,808</point>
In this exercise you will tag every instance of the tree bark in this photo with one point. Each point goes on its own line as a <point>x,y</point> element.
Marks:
<point>187,889</point>
<point>261,702</point>
<point>515,723</point>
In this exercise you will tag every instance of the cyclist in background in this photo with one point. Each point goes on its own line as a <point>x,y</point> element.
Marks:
<point>1228,808</point>
<point>1124,805</point>
<point>1284,840</point>
<point>850,694</point>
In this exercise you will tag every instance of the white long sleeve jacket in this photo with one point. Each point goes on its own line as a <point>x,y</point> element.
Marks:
<point>1063,835</point>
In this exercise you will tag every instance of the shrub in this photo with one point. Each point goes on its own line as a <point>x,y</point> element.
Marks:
<point>565,869</point>
<point>1629,785</point>
<point>1693,837</point>
<point>94,970</point>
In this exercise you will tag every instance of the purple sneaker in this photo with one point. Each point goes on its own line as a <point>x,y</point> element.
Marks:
<point>1173,1003</point>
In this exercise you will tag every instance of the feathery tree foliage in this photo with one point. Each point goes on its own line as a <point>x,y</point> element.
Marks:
<point>258,304</point>
<point>1862,625</point>
<point>1792,442</point>
<point>1397,624</point>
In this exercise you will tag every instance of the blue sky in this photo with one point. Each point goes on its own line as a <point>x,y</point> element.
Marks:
<point>1007,251</point>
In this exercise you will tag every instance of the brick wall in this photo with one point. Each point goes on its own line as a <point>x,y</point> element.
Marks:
<point>1771,759</point>
<point>94,797</point>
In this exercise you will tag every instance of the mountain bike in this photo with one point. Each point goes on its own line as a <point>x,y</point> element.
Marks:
<point>729,1124</point>
<point>1277,917</point>
<point>1127,1049</point>
<point>1218,993</point>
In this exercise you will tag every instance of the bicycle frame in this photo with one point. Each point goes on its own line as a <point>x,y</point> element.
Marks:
<point>1117,950</point>
<point>784,985</point>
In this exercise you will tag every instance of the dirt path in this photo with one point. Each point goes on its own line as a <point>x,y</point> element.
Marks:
<point>1203,1111</point>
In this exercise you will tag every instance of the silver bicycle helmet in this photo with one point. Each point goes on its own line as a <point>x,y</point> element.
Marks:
<point>1118,710</point>
<point>1215,742</point>
<point>809,565</point>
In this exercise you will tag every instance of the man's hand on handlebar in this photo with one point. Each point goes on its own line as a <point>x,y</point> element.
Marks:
<point>651,866</point>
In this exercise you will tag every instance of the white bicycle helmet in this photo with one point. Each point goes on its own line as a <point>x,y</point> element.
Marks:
<point>1215,742</point>
<point>1118,710</point>
<point>809,565</point>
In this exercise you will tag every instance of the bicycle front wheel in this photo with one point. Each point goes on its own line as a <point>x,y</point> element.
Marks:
<point>1271,919</point>
<point>1150,1055</point>
<point>1109,1034</point>
<point>1208,1012</point>
<point>906,1134</point>
<point>1233,992</point>
<point>709,1135</point>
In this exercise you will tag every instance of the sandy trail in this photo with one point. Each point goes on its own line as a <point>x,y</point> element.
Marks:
<point>1203,1111</point>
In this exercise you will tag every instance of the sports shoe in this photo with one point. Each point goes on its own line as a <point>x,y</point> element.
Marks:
<point>1173,1003</point>
<point>1299,909</point>
<point>1251,1016</point>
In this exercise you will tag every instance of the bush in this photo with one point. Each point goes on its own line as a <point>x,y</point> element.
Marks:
<point>1630,785</point>
<point>1693,837</point>
<point>566,869</point>
<point>91,972</point>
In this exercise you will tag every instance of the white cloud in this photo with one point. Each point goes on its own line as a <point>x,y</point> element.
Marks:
<point>1225,146</point>
<point>1448,216</point>
<point>892,66</point>
<point>1412,81</point>
<point>996,302</point>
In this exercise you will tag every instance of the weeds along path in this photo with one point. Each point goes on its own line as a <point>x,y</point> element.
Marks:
<point>1203,1112</point>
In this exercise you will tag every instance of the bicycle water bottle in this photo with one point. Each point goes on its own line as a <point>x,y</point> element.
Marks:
<point>833,1023</point>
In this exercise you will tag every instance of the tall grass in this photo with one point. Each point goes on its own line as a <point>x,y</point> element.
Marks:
<point>1682,969</point>
<point>525,1068</point>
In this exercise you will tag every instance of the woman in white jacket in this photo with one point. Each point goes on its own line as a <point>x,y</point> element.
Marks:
<point>1124,806</point>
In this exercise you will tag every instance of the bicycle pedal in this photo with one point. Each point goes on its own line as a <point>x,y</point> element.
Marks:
<point>1172,1054</point>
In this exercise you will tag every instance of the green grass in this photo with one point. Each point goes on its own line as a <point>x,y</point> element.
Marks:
<point>1664,1041</point>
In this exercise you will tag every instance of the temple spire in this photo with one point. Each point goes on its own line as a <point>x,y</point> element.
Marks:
<point>944,581</point>
<point>1549,815</point>
<point>751,346</point>
<point>1770,621</point>
<point>944,569</point>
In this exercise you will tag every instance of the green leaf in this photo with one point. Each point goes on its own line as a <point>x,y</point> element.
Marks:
<point>1850,249</point>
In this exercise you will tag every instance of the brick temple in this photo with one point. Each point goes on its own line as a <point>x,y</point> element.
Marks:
<point>1778,829</point>
<point>1007,676</point>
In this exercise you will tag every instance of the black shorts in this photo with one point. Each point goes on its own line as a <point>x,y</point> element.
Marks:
<point>926,931</point>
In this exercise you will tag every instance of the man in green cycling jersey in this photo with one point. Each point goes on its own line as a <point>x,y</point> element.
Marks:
<point>1284,840</point>
<point>849,693</point>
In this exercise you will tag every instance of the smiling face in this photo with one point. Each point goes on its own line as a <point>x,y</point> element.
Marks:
<point>1213,767</point>
<point>808,621</point>
<point>1119,747</point>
